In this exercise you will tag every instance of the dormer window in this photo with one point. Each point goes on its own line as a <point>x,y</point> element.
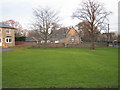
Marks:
<point>7,31</point>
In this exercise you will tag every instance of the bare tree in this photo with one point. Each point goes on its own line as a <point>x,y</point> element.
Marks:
<point>45,23</point>
<point>94,13</point>
<point>16,25</point>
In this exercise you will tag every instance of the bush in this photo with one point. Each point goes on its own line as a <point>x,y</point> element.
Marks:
<point>20,38</point>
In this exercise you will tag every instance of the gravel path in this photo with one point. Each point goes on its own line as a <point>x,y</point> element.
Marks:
<point>5,49</point>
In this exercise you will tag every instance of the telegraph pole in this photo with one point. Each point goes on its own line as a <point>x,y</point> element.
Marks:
<point>108,36</point>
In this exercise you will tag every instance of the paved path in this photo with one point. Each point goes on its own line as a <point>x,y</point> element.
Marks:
<point>5,49</point>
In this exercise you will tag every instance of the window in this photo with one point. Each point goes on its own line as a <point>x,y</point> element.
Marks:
<point>7,31</point>
<point>0,30</point>
<point>8,40</point>
<point>57,41</point>
<point>73,39</point>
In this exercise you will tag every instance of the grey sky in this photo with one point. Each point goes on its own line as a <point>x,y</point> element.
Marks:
<point>21,10</point>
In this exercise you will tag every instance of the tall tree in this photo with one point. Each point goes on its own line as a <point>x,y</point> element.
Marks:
<point>45,23</point>
<point>94,13</point>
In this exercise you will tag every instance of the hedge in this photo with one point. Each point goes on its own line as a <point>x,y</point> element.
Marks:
<point>20,38</point>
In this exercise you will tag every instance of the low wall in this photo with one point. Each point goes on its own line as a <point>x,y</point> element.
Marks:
<point>19,42</point>
<point>57,45</point>
<point>60,45</point>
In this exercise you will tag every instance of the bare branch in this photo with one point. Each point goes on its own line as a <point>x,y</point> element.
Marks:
<point>94,14</point>
<point>44,19</point>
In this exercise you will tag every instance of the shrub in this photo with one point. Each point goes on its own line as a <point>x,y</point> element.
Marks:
<point>20,38</point>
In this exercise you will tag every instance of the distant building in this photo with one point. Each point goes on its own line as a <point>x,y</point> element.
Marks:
<point>109,36</point>
<point>66,36</point>
<point>72,37</point>
<point>63,35</point>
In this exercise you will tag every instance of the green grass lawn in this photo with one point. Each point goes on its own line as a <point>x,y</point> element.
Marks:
<point>60,67</point>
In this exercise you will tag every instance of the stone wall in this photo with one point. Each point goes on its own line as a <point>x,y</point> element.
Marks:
<point>58,45</point>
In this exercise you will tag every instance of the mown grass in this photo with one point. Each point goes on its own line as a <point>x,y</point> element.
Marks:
<point>60,67</point>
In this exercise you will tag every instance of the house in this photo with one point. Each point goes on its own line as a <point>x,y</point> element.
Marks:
<point>7,35</point>
<point>72,37</point>
<point>66,36</point>
<point>59,35</point>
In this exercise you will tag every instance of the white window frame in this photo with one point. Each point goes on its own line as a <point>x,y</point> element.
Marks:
<point>8,40</point>
<point>56,41</point>
<point>0,30</point>
<point>73,39</point>
<point>7,32</point>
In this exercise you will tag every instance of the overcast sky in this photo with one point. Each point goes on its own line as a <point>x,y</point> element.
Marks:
<point>22,10</point>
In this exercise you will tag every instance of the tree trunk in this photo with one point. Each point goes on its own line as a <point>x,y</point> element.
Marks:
<point>92,42</point>
<point>93,45</point>
<point>79,39</point>
<point>45,44</point>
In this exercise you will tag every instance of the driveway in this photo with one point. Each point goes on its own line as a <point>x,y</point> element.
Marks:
<point>5,49</point>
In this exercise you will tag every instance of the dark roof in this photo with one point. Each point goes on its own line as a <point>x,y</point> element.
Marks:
<point>6,26</point>
<point>59,34</point>
<point>30,39</point>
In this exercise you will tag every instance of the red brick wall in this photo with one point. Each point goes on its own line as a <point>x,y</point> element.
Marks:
<point>19,42</point>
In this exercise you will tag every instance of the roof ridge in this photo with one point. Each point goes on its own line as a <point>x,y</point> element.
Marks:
<point>2,25</point>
